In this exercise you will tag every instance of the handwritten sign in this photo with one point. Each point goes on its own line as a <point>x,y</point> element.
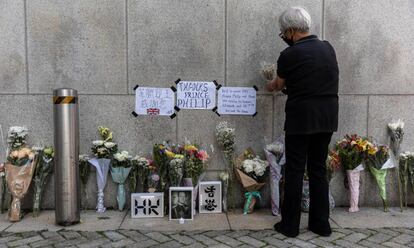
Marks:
<point>236,101</point>
<point>154,101</point>
<point>196,95</point>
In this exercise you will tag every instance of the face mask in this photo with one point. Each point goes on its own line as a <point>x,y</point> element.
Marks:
<point>290,42</point>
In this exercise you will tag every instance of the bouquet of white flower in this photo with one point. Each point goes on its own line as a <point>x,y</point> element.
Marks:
<point>119,170</point>
<point>103,151</point>
<point>251,172</point>
<point>396,133</point>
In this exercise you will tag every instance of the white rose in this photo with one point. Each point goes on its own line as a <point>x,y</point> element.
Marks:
<point>109,144</point>
<point>98,142</point>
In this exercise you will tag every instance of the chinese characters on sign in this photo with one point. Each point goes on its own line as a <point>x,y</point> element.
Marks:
<point>147,205</point>
<point>154,101</point>
<point>236,101</point>
<point>196,95</point>
<point>210,197</point>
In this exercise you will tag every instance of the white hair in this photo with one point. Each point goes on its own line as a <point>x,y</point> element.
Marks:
<point>296,18</point>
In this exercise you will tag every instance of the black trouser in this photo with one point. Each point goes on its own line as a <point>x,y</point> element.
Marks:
<point>310,150</point>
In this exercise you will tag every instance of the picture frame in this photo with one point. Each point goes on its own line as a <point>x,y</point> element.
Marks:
<point>210,197</point>
<point>147,205</point>
<point>181,203</point>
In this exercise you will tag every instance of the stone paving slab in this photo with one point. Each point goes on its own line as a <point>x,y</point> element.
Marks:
<point>373,218</point>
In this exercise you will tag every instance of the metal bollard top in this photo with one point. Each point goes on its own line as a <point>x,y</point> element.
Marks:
<point>65,92</point>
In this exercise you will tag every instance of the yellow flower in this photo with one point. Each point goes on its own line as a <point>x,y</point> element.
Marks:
<point>372,150</point>
<point>179,156</point>
<point>190,148</point>
<point>170,154</point>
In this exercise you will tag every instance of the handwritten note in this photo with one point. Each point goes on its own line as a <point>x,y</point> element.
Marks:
<point>236,101</point>
<point>196,95</point>
<point>154,101</point>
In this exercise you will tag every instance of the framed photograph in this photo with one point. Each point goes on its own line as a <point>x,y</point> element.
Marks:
<point>147,205</point>
<point>210,197</point>
<point>181,203</point>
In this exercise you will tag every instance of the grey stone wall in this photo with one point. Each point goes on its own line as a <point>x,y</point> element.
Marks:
<point>104,48</point>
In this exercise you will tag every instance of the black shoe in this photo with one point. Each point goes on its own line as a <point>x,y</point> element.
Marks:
<point>321,233</point>
<point>278,228</point>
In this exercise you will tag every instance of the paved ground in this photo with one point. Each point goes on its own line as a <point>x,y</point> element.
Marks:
<point>368,228</point>
<point>381,237</point>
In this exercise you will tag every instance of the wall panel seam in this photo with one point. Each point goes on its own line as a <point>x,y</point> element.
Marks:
<point>26,46</point>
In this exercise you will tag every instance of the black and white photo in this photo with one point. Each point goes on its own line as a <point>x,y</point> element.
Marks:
<point>181,203</point>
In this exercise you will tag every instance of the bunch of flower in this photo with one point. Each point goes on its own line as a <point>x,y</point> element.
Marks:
<point>104,148</point>
<point>349,151</point>
<point>268,71</point>
<point>195,160</point>
<point>162,155</point>
<point>17,137</point>
<point>406,162</point>
<point>256,168</point>
<point>153,178</point>
<point>122,159</point>
<point>377,156</point>
<point>84,169</point>
<point>43,168</point>
<point>277,149</point>
<point>176,172</point>
<point>139,171</point>
<point>333,163</point>
<point>396,133</point>
<point>226,138</point>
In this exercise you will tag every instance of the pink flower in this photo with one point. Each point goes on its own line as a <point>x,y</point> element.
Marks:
<point>202,155</point>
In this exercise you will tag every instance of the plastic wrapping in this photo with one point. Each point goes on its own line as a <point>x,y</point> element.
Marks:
<point>102,168</point>
<point>119,176</point>
<point>353,181</point>
<point>276,165</point>
<point>380,176</point>
<point>18,182</point>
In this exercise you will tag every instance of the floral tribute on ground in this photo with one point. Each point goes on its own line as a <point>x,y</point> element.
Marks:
<point>251,171</point>
<point>103,149</point>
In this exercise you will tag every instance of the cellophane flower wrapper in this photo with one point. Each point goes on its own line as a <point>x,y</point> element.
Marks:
<point>353,177</point>
<point>176,171</point>
<point>139,173</point>
<point>84,172</point>
<point>102,168</point>
<point>3,184</point>
<point>119,176</point>
<point>275,156</point>
<point>380,176</point>
<point>406,167</point>
<point>226,136</point>
<point>224,178</point>
<point>18,182</point>
<point>44,167</point>
<point>247,166</point>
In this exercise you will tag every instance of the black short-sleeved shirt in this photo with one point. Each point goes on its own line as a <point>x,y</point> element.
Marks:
<point>310,70</point>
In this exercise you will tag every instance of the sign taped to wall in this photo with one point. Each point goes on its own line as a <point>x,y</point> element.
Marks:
<point>196,95</point>
<point>236,101</point>
<point>154,101</point>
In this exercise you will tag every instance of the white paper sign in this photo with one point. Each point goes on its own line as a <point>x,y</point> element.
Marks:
<point>210,197</point>
<point>236,101</point>
<point>146,205</point>
<point>196,95</point>
<point>154,101</point>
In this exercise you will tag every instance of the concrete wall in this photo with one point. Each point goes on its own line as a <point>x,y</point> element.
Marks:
<point>104,48</point>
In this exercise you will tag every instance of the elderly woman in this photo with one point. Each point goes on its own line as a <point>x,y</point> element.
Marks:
<point>307,71</point>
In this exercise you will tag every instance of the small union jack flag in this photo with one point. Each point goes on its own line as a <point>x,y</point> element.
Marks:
<point>153,111</point>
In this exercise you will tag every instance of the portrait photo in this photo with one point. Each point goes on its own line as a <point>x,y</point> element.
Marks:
<point>181,203</point>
